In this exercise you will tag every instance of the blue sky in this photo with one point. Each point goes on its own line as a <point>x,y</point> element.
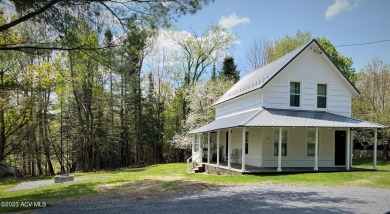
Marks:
<point>343,22</point>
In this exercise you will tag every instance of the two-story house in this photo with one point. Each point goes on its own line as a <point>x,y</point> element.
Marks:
<point>295,112</point>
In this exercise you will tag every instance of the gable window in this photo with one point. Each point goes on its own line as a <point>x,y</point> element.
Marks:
<point>246,142</point>
<point>284,142</point>
<point>295,94</point>
<point>311,142</point>
<point>321,95</point>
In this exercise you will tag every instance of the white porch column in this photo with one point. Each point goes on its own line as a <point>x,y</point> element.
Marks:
<point>351,156</point>
<point>243,150</point>
<point>316,151</point>
<point>375,144</point>
<point>229,146</point>
<point>280,151</point>
<point>348,148</point>
<point>218,148</point>
<point>208,148</point>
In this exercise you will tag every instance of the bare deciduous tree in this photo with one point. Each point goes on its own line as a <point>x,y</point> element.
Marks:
<point>256,54</point>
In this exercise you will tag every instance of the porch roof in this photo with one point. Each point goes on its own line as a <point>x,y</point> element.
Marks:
<point>265,117</point>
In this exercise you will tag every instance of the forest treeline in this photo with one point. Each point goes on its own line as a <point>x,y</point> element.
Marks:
<point>79,89</point>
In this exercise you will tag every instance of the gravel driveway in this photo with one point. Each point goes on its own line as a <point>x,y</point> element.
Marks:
<point>251,198</point>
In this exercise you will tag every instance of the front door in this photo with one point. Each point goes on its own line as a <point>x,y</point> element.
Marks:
<point>339,148</point>
<point>227,144</point>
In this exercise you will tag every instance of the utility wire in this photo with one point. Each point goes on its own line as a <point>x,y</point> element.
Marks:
<point>365,43</point>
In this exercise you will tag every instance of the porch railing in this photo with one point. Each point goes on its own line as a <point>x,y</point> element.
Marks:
<point>188,162</point>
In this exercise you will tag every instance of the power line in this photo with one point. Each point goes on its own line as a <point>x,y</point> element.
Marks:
<point>365,43</point>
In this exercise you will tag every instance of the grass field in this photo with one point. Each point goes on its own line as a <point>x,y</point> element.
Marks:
<point>157,180</point>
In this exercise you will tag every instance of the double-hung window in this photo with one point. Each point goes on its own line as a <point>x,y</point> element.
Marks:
<point>295,94</point>
<point>311,142</point>
<point>276,142</point>
<point>321,95</point>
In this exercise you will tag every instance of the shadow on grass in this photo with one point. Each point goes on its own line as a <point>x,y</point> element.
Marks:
<point>114,171</point>
<point>16,180</point>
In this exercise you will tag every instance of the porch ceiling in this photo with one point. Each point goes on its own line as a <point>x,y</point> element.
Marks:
<point>286,118</point>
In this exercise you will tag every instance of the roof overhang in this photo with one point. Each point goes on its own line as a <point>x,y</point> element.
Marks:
<point>286,118</point>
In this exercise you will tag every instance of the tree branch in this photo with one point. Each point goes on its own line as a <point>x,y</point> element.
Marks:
<point>24,48</point>
<point>28,16</point>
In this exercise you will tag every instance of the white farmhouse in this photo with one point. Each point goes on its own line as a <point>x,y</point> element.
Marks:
<point>292,114</point>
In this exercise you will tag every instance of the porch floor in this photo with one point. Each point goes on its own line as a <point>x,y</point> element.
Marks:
<point>285,170</point>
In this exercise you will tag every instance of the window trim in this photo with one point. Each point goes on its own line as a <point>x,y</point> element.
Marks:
<point>318,151</point>
<point>287,134</point>
<point>326,96</point>
<point>300,93</point>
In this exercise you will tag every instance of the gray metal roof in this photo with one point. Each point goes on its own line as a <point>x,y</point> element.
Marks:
<point>304,118</point>
<point>228,122</point>
<point>260,77</point>
<point>286,118</point>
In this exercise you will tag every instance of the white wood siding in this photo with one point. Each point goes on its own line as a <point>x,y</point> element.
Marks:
<point>309,69</point>
<point>261,147</point>
<point>253,158</point>
<point>297,148</point>
<point>246,102</point>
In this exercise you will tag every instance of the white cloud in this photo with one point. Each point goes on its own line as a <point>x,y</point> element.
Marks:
<point>338,6</point>
<point>232,20</point>
<point>164,39</point>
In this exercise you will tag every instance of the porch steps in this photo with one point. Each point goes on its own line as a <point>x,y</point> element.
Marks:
<point>198,168</point>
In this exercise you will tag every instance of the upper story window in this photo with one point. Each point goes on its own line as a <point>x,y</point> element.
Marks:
<point>295,94</point>
<point>321,95</point>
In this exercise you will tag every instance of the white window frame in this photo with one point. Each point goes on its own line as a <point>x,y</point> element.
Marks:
<point>277,139</point>
<point>326,96</point>
<point>307,142</point>
<point>300,94</point>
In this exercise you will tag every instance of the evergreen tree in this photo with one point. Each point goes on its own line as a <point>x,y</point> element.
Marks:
<point>214,73</point>
<point>229,69</point>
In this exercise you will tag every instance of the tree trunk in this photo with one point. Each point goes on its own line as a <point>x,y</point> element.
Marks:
<point>3,139</point>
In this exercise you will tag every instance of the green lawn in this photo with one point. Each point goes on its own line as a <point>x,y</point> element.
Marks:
<point>162,178</point>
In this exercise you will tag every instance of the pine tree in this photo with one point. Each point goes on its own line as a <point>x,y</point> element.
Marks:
<point>214,73</point>
<point>229,69</point>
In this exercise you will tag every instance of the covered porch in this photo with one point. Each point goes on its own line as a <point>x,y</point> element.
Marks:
<point>288,141</point>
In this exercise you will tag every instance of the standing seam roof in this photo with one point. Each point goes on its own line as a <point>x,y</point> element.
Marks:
<point>258,78</point>
<point>229,122</point>
<point>286,118</point>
